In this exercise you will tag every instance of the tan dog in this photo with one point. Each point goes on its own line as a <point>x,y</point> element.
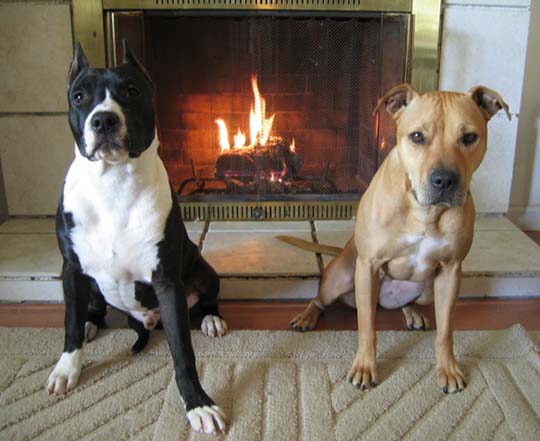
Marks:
<point>414,222</point>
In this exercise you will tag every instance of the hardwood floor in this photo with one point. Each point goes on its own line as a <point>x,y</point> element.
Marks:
<point>534,235</point>
<point>470,314</point>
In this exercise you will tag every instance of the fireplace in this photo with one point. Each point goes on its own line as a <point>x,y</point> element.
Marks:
<point>266,112</point>
<point>270,107</point>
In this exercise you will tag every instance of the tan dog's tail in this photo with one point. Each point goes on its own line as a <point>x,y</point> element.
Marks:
<point>310,246</point>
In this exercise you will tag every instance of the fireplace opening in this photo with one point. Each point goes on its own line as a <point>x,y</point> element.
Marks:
<point>270,107</point>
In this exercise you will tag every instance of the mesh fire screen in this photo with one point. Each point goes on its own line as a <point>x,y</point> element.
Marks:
<point>273,107</point>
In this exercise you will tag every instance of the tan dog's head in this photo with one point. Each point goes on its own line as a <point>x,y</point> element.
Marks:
<point>441,138</point>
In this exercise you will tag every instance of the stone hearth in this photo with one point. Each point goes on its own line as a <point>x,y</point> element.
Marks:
<point>253,264</point>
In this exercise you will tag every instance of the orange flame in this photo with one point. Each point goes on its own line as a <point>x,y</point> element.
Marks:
<point>223,135</point>
<point>239,140</point>
<point>293,146</point>
<point>275,176</point>
<point>260,127</point>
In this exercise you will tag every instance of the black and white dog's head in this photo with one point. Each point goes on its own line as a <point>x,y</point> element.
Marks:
<point>111,111</point>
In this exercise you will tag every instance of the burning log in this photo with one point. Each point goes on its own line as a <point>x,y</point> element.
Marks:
<point>235,165</point>
<point>276,160</point>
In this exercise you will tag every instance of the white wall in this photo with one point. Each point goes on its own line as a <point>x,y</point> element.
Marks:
<point>484,42</point>
<point>525,198</point>
<point>36,145</point>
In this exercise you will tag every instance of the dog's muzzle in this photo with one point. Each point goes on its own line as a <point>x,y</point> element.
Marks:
<point>105,123</point>
<point>443,188</point>
<point>108,141</point>
<point>444,181</point>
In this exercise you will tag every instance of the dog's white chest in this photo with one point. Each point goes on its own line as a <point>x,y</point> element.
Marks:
<point>417,257</point>
<point>111,245</point>
<point>424,252</point>
<point>119,218</point>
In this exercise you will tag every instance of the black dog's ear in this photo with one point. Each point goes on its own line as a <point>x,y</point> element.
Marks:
<point>132,59</point>
<point>78,63</point>
<point>489,101</point>
<point>396,99</point>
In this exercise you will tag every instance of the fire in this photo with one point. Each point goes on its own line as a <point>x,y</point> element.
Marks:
<point>223,135</point>
<point>260,127</point>
<point>265,162</point>
<point>239,140</point>
<point>275,177</point>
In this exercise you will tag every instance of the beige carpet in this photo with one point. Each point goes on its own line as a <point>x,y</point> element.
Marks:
<point>274,386</point>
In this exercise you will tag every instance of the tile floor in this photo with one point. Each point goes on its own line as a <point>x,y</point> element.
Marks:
<point>251,249</point>
<point>253,264</point>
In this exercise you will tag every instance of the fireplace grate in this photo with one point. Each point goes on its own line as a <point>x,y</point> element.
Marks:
<point>268,211</point>
<point>312,5</point>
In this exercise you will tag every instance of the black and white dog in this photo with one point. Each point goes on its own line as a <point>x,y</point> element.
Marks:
<point>121,234</point>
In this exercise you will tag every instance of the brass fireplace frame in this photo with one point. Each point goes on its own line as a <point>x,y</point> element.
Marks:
<point>91,22</point>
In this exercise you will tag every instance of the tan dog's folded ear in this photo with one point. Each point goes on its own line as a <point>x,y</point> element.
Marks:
<point>489,101</point>
<point>396,99</point>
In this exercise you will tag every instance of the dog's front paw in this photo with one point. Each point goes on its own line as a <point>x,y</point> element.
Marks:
<point>65,375</point>
<point>450,378</point>
<point>213,326</point>
<point>363,373</point>
<point>207,419</point>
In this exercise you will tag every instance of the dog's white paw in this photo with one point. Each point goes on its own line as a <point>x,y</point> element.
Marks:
<point>207,419</point>
<point>213,326</point>
<point>90,331</point>
<point>65,375</point>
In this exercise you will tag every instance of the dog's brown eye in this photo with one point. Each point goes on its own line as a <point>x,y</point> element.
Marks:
<point>417,137</point>
<point>132,91</point>
<point>469,138</point>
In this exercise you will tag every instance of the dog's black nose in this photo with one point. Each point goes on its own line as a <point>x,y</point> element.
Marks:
<point>444,180</point>
<point>105,122</point>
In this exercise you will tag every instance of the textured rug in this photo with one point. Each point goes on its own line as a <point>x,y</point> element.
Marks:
<point>274,386</point>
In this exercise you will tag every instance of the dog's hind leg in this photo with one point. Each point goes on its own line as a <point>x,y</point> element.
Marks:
<point>142,333</point>
<point>337,280</point>
<point>97,309</point>
<point>414,319</point>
